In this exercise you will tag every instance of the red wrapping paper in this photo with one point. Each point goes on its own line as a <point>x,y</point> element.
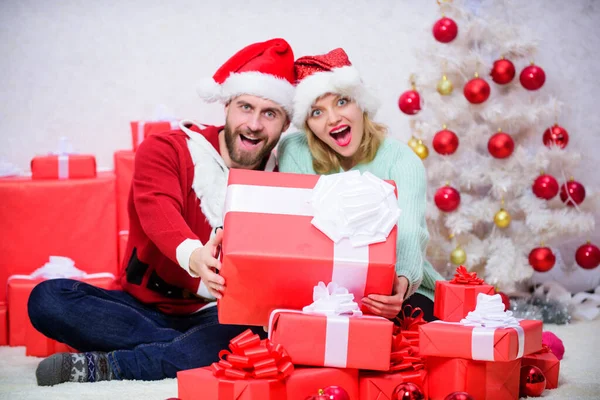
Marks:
<point>79,166</point>
<point>18,318</point>
<point>71,218</point>
<point>482,380</point>
<point>272,261</point>
<point>548,363</point>
<point>455,299</point>
<point>307,381</point>
<point>306,337</point>
<point>140,130</point>
<point>455,340</point>
<point>201,384</point>
<point>124,163</point>
<point>3,325</point>
<point>123,237</point>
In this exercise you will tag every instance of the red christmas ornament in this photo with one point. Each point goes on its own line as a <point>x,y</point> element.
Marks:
<point>503,71</point>
<point>445,142</point>
<point>542,259</point>
<point>532,382</point>
<point>505,300</point>
<point>331,393</point>
<point>556,136</point>
<point>410,102</point>
<point>445,30</point>
<point>588,256</point>
<point>532,77</point>
<point>501,145</point>
<point>407,391</point>
<point>459,396</point>
<point>447,198</point>
<point>545,187</point>
<point>572,193</point>
<point>477,90</point>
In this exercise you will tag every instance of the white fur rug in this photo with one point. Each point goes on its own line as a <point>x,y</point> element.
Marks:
<point>580,372</point>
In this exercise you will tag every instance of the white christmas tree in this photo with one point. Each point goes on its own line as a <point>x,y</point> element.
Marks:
<point>479,125</point>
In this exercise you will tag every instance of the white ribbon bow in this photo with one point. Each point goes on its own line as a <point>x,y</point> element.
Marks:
<point>362,208</point>
<point>332,300</point>
<point>489,313</point>
<point>61,267</point>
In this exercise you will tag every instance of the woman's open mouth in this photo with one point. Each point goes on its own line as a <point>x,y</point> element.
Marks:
<point>342,135</point>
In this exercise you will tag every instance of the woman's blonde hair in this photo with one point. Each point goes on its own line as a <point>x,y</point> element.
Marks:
<point>326,160</point>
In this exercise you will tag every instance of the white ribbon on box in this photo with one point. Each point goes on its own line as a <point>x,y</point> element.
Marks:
<point>353,210</point>
<point>337,305</point>
<point>61,267</point>
<point>162,115</point>
<point>489,315</point>
<point>64,149</point>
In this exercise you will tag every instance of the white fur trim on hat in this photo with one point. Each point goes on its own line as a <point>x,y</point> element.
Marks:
<point>344,81</point>
<point>253,83</point>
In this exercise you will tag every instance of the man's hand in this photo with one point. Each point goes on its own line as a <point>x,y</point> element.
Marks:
<point>388,306</point>
<point>203,262</point>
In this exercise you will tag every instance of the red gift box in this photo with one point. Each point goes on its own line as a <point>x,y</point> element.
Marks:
<point>448,339</point>
<point>124,163</point>
<point>481,379</point>
<point>72,218</point>
<point>69,166</point>
<point>307,381</point>
<point>3,325</point>
<point>380,386</point>
<point>272,255</point>
<point>202,384</point>
<point>19,289</point>
<point>455,299</point>
<point>140,130</point>
<point>548,363</point>
<point>333,341</point>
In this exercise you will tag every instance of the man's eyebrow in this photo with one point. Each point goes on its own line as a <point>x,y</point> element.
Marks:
<point>243,103</point>
<point>273,109</point>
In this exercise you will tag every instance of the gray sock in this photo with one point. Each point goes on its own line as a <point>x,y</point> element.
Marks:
<point>74,367</point>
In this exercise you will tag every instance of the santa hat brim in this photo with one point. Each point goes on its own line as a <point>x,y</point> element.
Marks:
<point>253,83</point>
<point>343,81</point>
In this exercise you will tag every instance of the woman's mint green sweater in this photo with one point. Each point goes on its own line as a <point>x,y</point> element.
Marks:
<point>393,161</point>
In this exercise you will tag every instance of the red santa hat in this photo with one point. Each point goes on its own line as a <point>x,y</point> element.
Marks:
<point>264,69</point>
<point>328,73</point>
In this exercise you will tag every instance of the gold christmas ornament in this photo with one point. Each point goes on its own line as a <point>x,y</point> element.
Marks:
<point>458,256</point>
<point>421,150</point>
<point>445,87</point>
<point>502,218</point>
<point>413,142</point>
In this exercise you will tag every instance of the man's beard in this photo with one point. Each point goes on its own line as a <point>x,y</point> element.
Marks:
<point>246,159</point>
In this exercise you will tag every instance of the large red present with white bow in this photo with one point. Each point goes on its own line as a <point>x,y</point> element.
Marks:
<point>332,332</point>
<point>488,334</point>
<point>285,232</point>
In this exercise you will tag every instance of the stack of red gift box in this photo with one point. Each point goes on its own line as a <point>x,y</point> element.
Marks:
<point>65,208</point>
<point>277,246</point>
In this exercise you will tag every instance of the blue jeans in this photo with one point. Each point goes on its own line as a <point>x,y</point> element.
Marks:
<point>143,343</point>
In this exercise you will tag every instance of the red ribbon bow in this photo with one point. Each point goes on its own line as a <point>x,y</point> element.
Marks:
<point>404,355</point>
<point>408,324</point>
<point>463,277</point>
<point>251,357</point>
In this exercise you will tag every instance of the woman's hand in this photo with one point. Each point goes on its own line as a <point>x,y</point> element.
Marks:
<point>388,306</point>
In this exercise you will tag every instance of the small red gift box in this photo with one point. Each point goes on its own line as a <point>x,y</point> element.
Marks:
<point>71,166</point>
<point>140,130</point>
<point>124,163</point>
<point>482,380</point>
<point>272,255</point>
<point>333,341</point>
<point>548,363</point>
<point>307,381</point>
<point>254,369</point>
<point>19,289</point>
<point>3,325</point>
<point>455,299</point>
<point>453,339</point>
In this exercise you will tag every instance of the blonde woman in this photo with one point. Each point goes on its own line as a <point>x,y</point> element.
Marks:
<point>334,109</point>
